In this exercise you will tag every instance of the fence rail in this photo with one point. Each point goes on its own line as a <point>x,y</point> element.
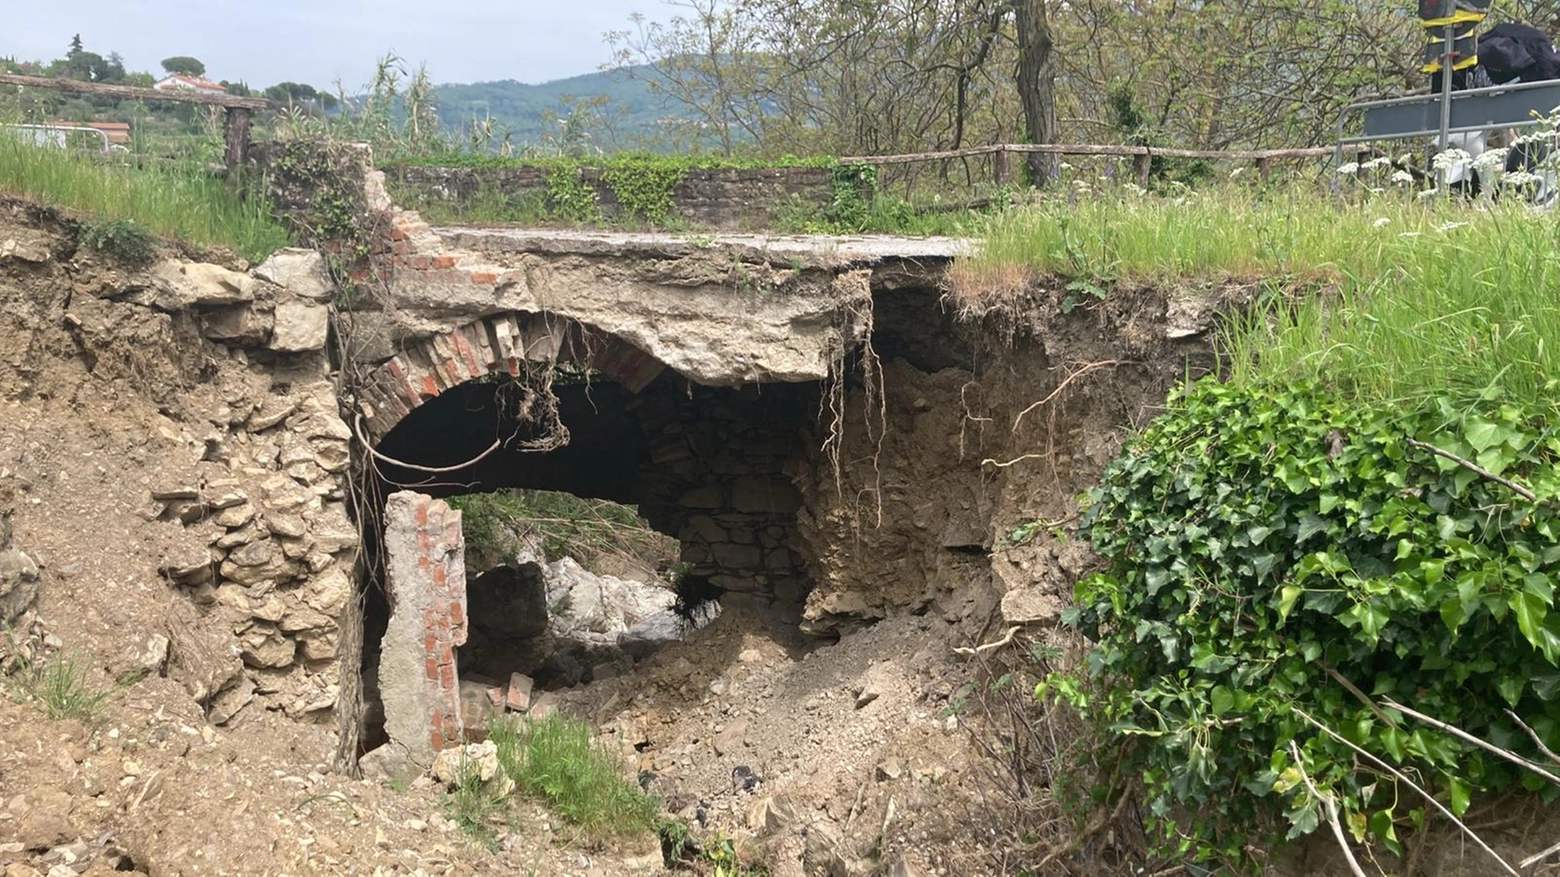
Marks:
<point>235,125</point>
<point>1142,156</point>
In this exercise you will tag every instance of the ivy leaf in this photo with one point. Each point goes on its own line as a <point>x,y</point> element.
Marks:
<point>1287,595</point>
<point>1460,794</point>
<point>1483,434</point>
<point>1530,612</point>
<point>1510,688</point>
<point>1223,700</point>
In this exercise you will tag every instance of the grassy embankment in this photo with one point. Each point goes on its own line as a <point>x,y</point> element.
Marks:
<point>175,202</point>
<point>1418,296</point>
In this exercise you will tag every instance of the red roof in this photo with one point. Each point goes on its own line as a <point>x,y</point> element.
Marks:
<point>197,82</point>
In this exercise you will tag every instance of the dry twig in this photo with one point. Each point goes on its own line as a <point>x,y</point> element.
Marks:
<point>1332,811</point>
<point>1403,778</point>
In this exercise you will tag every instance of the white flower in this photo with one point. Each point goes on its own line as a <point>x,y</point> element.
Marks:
<point>1449,226</point>
<point>1403,178</point>
<point>1489,160</point>
<point>1380,222</point>
<point>1449,159</point>
<point>1134,188</point>
<point>1064,166</point>
<point>1237,172</point>
<point>1519,179</point>
<point>1349,167</point>
<point>1428,194</point>
<point>1408,234</point>
<point>1374,163</point>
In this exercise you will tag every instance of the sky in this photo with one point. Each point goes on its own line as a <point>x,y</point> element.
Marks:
<point>262,42</point>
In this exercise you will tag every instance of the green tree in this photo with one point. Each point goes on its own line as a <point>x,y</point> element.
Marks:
<point>184,64</point>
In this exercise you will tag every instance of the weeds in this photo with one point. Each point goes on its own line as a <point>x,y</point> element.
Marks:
<point>123,238</point>
<point>556,760</point>
<point>472,805</point>
<point>61,687</point>
<point>1392,298</point>
<point>178,202</point>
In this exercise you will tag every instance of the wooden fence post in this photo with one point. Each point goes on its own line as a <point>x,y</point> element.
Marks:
<point>1142,163</point>
<point>236,133</point>
<point>999,166</point>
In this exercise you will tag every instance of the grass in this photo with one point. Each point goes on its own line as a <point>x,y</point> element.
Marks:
<point>60,686</point>
<point>1386,296</point>
<point>176,202</point>
<point>556,760</point>
<point>473,806</point>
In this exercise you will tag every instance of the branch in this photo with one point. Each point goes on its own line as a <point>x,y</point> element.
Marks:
<point>1403,778</point>
<point>1516,488</point>
<point>1465,736</point>
<point>1332,812</point>
<point>1548,753</point>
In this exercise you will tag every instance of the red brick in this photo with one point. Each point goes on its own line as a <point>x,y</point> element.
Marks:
<point>447,677</point>
<point>483,277</point>
<point>430,387</point>
<point>431,668</point>
<point>419,263</point>
<point>436,738</point>
<point>457,614</point>
<point>443,262</point>
<point>439,575</point>
<point>397,233</point>
<point>446,655</point>
<point>430,642</point>
<point>422,512</point>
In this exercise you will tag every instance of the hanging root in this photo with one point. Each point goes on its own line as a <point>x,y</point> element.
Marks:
<point>856,319</point>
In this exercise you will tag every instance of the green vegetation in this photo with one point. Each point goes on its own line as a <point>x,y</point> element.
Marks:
<point>472,805</point>
<point>177,203</point>
<point>563,523</point>
<point>1385,297</point>
<point>555,759</point>
<point>61,687</point>
<point>1361,520</point>
<point>123,238</point>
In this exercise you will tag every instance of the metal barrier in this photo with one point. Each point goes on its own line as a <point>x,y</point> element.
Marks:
<point>52,135</point>
<point>1515,105</point>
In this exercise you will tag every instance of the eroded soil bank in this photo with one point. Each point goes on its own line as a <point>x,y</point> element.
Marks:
<point>150,443</point>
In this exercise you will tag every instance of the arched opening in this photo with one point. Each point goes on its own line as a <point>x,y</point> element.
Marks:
<point>704,469</point>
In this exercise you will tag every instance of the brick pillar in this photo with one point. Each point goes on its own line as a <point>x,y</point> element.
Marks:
<point>425,580</point>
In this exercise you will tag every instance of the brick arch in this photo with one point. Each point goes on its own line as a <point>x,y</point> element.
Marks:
<point>497,343</point>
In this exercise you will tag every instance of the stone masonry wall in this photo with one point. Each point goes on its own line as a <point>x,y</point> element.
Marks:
<point>265,547</point>
<point>425,582</point>
<point>720,198</point>
<point>718,479</point>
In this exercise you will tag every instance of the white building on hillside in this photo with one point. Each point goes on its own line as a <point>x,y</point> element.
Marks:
<point>185,82</point>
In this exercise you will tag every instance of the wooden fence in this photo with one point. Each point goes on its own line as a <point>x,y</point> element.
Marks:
<point>1142,156</point>
<point>237,109</point>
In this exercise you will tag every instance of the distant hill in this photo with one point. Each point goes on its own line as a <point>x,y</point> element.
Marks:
<point>634,114</point>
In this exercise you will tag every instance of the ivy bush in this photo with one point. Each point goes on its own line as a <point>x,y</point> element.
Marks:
<point>1274,550</point>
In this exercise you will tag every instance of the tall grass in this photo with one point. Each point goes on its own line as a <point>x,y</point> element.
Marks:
<point>555,759</point>
<point>1387,297</point>
<point>175,202</point>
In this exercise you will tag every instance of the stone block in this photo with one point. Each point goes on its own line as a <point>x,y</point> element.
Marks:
<point>738,557</point>
<point>300,272</point>
<point>766,495</point>
<point>180,285</point>
<point>299,326</point>
<point>238,324</point>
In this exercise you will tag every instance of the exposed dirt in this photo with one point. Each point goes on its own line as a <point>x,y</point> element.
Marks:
<point>101,401</point>
<point>866,755</point>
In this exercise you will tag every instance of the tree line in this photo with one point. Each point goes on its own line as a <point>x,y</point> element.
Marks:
<point>868,77</point>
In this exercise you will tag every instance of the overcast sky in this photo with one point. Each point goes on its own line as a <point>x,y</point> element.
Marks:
<point>263,42</point>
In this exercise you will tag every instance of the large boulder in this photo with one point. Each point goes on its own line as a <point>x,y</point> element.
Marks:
<point>510,601</point>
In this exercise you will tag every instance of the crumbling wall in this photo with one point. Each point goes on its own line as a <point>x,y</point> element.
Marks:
<point>958,492</point>
<point>174,444</point>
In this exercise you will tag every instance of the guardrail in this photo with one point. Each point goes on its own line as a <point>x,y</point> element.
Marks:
<point>1515,105</point>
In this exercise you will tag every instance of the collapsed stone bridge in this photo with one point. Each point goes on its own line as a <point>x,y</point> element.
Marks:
<point>826,440</point>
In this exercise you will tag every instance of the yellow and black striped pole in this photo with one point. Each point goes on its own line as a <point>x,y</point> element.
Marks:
<point>1452,44</point>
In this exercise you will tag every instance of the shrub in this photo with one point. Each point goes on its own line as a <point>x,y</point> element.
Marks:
<point>124,238</point>
<point>1276,552</point>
